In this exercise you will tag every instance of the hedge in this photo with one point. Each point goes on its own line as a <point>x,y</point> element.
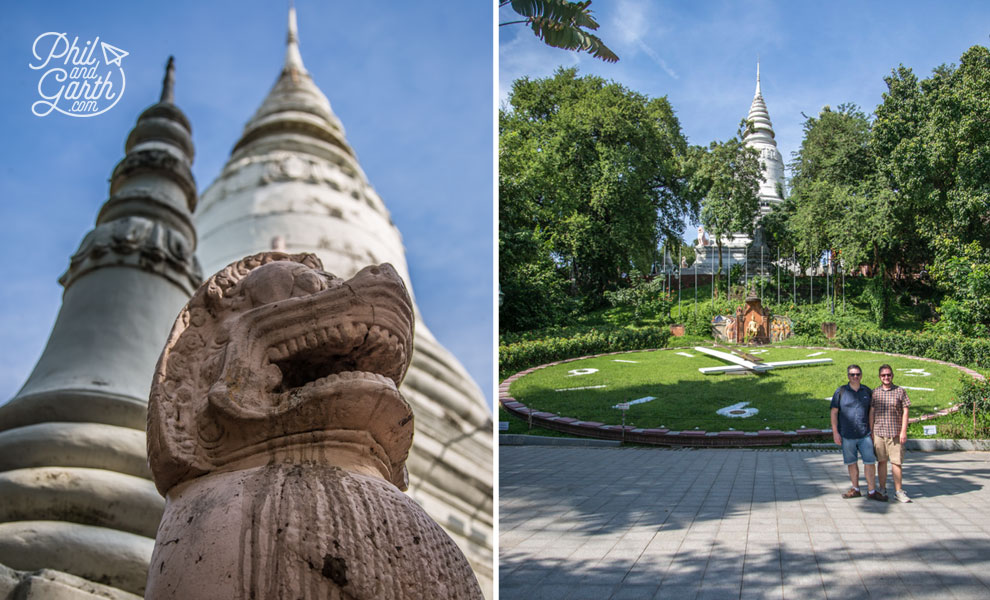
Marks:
<point>969,352</point>
<point>515,357</point>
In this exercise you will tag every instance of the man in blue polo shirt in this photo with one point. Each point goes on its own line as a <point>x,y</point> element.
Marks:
<point>851,430</point>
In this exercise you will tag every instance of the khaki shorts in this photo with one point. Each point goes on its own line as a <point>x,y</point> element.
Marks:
<point>888,449</point>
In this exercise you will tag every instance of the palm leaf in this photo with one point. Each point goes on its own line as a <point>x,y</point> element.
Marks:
<point>575,14</point>
<point>561,24</point>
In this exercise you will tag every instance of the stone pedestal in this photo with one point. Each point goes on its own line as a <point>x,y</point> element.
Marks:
<point>302,531</point>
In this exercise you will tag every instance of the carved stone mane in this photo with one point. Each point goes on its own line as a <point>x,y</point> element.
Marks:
<point>278,435</point>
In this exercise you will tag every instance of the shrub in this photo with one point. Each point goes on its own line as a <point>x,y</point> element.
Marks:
<point>700,323</point>
<point>514,357</point>
<point>877,298</point>
<point>533,297</point>
<point>645,297</point>
<point>970,352</point>
<point>975,392</point>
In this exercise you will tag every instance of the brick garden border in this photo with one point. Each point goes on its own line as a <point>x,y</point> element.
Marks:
<point>693,437</point>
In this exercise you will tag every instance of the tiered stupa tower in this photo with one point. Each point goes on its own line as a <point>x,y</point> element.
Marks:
<point>293,183</point>
<point>75,489</point>
<point>759,135</point>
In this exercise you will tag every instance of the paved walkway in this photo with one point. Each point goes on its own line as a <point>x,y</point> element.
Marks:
<point>643,523</point>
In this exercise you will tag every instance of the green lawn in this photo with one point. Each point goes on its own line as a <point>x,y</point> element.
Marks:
<point>786,398</point>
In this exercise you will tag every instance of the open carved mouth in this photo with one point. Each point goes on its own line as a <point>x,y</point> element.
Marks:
<point>296,346</point>
<point>335,353</point>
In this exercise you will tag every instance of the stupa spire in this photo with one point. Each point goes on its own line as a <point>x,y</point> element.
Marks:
<point>294,108</point>
<point>293,59</point>
<point>759,129</point>
<point>168,84</point>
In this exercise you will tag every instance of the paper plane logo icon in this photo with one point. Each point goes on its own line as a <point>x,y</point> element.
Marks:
<point>112,51</point>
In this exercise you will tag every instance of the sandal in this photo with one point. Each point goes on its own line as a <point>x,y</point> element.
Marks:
<point>852,493</point>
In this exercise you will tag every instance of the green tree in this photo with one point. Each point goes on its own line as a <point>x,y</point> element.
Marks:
<point>963,272</point>
<point>839,203</point>
<point>561,24</point>
<point>590,176</point>
<point>831,183</point>
<point>932,142</point>
<point>728,175</point>
<point>646,298</point>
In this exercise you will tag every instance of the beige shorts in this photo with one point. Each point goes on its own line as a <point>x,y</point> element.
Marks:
<point>888,449</point>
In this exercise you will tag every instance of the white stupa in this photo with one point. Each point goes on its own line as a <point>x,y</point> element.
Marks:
<point>759,135</point>
<point>293,183</point>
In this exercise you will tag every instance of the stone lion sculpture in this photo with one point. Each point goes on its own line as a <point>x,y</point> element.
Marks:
<point>277,434</point>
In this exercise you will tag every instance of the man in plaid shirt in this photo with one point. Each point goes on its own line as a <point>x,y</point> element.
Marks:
<point>889,417</point>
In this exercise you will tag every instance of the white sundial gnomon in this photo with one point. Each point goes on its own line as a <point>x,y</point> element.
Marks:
<point>737,363</point>
<point>579,372</point>
<point>914,372</point>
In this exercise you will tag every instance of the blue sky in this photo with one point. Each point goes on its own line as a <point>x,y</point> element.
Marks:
<point>702,55</point>
<point>412,86</point>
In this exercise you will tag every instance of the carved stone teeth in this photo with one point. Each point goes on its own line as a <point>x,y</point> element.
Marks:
<point>321,336</point>
<point>283,351</point>
<point>273,354</point>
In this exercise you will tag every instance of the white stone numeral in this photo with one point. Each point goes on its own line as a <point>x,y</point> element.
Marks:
<point>575,372</point>
<point>915,372</point>
<point>737,411</point>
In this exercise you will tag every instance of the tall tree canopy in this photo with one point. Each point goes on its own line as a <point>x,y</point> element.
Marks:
<point>838,204</point>
<point>932,142</point>
<point>907,194</point>
<point>728,175</point>
<point>591,176</point>
<point>561,24</point>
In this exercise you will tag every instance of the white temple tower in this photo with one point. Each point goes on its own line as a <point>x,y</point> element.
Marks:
<point>293,183</point>
<point>759,135</point>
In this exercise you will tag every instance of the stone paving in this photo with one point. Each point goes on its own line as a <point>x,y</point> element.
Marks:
<point>641,523</point>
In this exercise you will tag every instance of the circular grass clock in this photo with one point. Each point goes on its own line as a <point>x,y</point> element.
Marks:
<point>669,397</point>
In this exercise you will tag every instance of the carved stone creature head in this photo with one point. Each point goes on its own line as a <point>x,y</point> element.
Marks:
<point>274,358</point>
